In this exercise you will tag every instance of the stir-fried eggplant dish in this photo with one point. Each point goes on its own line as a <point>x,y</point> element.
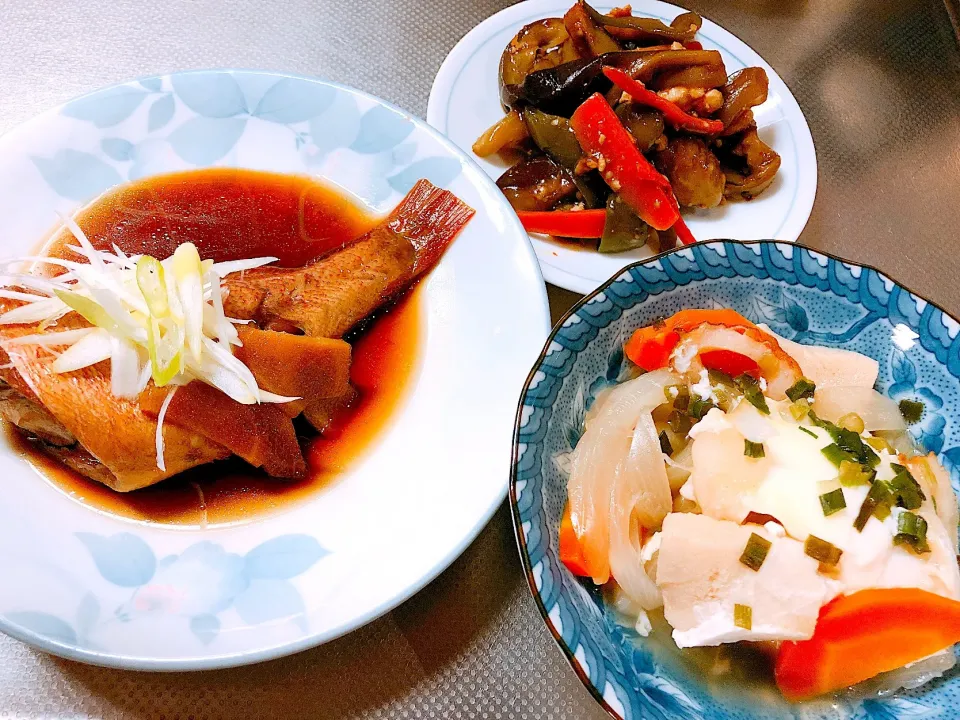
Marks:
<point>762,493</point>
<point>619,122</point>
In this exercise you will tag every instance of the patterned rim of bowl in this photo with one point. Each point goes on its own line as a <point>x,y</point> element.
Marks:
<point>755,260</point>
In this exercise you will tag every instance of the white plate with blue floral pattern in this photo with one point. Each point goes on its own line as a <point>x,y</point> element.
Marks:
<point>102,589</point>
<point>465,101</point>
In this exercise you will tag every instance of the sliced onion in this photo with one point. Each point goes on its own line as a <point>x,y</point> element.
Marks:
<point>92,348</point>
<point>877,411</point>
<point>679,467</point>
<point>600,452</point>
<point>640,496</point>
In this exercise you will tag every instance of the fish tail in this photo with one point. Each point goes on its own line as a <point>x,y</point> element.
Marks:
<point>429,218</point>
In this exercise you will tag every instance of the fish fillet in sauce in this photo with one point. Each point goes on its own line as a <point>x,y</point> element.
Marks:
<point>324,299</point>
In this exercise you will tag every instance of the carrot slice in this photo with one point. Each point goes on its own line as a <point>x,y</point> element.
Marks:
<point>571,551</point>
<point>861,635</point>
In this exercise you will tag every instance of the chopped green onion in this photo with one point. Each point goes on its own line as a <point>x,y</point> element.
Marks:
<point>911,410</point>
<point>879,444</point>
<point>808,432</point>
<point>799,409</point>
<point>821,550</point>
<point>877,503</point>
<point>665,446</point>
<point>853,474</point>
<point>755,552</point>
<point>852,442</point>
<point>682,400</point>
<point>718,377</point>
<point>802,388</point>
<point>852,422</point>
<point>912,531</point>
<point>743,616</point>
<point>679,422</point>
<point>905,487</point>
<point>832,502</point>
<point>699,407</point>
<point>834,454</point>
<point>752,449</point>
<point>752,393</point>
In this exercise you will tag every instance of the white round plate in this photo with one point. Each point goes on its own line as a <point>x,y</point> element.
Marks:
<point>465,101</point>
<point>101,589</point>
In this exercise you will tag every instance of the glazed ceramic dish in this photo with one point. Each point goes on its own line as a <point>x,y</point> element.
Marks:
<point>465,101</point>
<point>801,294</point>
<point>95,587</point>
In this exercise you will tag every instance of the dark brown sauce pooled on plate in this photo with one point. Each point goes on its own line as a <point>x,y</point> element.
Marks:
<point>231,214</point>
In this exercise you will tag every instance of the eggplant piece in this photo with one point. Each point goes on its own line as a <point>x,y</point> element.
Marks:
<point>693,171</point>
<point>508,132</point>
<point>649,65</point>
<point>588,38</point>
<point>744,90</point>
<point>536,184</point>
<point>538,46</point>
<point>554,136</point>
<point>639,29</point>
<point>645,124</point>
<point>706,77</point>
<point>623,230</point>
<point>755,165</point>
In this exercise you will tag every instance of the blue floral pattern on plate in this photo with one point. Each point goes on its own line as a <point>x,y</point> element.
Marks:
<point>804,295</point>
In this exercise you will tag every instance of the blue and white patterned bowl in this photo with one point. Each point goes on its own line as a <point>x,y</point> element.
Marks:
<point>802,294</point>
<point>107,590</point>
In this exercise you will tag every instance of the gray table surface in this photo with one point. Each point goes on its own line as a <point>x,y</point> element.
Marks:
<point>879,82</point>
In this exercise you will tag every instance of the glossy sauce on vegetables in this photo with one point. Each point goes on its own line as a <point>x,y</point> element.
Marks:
<point>231,214</point>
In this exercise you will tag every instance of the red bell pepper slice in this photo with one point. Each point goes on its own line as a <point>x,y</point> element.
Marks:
<point>864,634</point>
<point>565,223</point>
<point>671,111</point>
<point>623,167</point>
<point>729,362</point>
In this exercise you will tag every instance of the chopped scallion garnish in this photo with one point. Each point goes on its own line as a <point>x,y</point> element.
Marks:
<point>802,388</point>
<point>877,503</point>
<point>834,454</point>
<point>753,450</point>
<point>720,378</point>
<point>743,616</point>
<point>905,487</point>
<point>665,446</point>
<point>808,431</point>
<point>912,531</point>
<point>755,552</point>
<point>752,393</point>
<point>911,410</point>
<point>800,409</point>
<point>853,474</point>
<point>699,407</point>
<point>832,502</point>
<point>682,400</point>
<point>879,444</point>
<point>852,422</point>
<point>679,422</point>
<point>825,552</point>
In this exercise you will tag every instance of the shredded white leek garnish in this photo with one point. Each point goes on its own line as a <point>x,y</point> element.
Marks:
<point>160,417</point>
<point>159,320</point>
